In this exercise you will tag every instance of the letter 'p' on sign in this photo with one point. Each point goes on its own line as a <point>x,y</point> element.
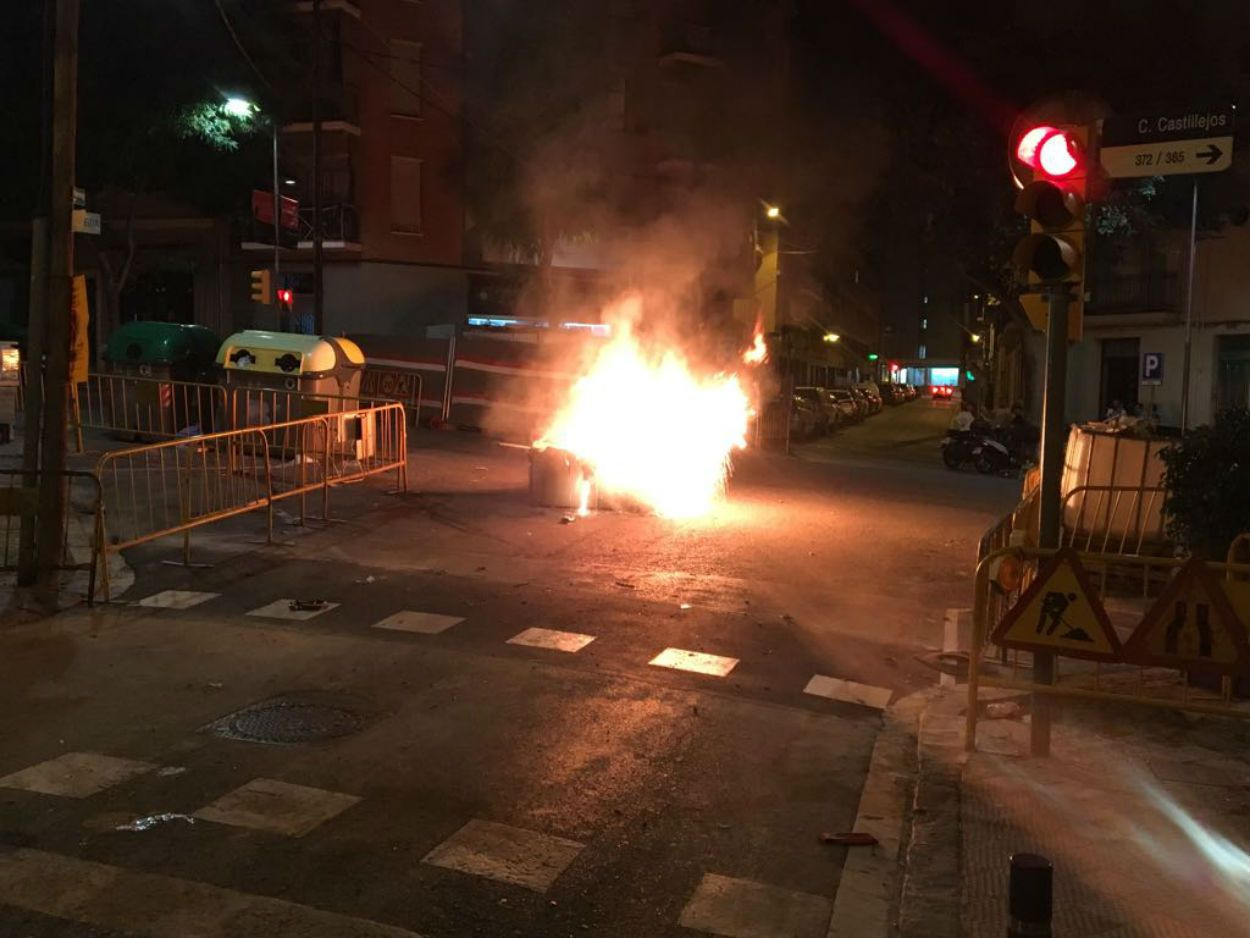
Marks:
<point>1152,368</point>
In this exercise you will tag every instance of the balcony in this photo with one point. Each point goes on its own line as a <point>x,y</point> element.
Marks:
<point>1157,291</point>
<point>339,111</point>
<point>690,44</point>
<point>340,227</point>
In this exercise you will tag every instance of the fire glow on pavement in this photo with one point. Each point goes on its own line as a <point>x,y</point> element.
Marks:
<point>650,426</point>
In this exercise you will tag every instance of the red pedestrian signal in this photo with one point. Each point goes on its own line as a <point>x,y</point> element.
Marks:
<point>286,298</point>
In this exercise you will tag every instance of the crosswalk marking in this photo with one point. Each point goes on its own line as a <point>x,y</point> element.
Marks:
<point>835,688</point>
<point>426,623</point>
<point>507,854</point>
<point>267,804</point>
<point>281,609</point>
<point>76,774</point>
<point>549,638</point>
<point>700,662</point>
<point>176,599</point>
<point>741,908</point>
<point>113,898</point>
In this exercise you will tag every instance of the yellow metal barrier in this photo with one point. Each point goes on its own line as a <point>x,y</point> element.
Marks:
<point>1121,516</point>
<point>80,543</point>
<point>167,488</point>
<point>991,602</point>
<point>149,408</point>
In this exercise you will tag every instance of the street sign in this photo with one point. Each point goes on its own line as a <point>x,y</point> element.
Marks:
<point>1191,627</point>
<point>85,222</point>
<point>80,197</point>
<point>1061,614</point>
<point>1152,368</point>
<point>1198,141</point>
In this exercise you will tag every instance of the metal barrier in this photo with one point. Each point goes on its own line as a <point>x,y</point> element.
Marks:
<point>154,491</point>
<point>1129,513</point>
<point>18,497</point>
<point>150,408</point>
<point>1171,687</point>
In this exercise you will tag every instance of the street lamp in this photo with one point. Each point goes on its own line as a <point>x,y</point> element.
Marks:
<point>242,108</point>
<point>773,212</point>
<point>831,337</point>
<point>975,337</point>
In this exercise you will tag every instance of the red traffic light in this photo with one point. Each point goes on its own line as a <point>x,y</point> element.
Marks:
<point>1050,150</point>
<point>286,297</point>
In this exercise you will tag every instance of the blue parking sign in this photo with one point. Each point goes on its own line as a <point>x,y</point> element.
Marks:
<point>1152,368</point>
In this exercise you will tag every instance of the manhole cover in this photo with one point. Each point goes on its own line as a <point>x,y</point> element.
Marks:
<point>293,719</point>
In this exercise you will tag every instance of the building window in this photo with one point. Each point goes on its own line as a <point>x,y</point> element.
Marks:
<point>923,351</point>
<point>405,70</point>
<point>924,324</point>
<point>405,194</point>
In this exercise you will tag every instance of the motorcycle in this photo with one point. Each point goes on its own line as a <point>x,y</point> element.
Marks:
<point>999,453</point>
<point>958,447</point>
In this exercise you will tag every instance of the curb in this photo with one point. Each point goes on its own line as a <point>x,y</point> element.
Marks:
<point>867,900</point>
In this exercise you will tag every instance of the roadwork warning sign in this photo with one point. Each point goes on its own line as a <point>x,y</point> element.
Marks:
<point>1060,613</point>
<point>1193,626</point>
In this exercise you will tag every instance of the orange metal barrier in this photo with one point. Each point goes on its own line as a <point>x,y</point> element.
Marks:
<point>1121,520</point>
<point>149,408</point>
<point>154,491</point>
<point>81,534</point>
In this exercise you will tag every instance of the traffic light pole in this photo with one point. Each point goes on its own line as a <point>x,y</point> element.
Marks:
<point>1054,442</point>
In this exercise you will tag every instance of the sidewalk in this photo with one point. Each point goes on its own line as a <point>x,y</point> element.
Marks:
<point>1144,813</point>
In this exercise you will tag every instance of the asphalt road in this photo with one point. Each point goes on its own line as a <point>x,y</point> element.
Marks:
<point>486,782</point>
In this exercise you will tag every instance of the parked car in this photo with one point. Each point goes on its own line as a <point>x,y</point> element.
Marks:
<point>874,396</point>
<point>846,403</point>
<point>891,394</point>
<point>863,402</point>
<point>909,391</point>
<point>830,415</point>
<point>942,392</point>
<point>806,417</point>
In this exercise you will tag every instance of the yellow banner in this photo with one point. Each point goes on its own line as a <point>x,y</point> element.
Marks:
<point>79,323</point>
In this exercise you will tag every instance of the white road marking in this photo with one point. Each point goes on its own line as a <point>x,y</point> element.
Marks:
<point>740,908</point>
<point>507,854</point>
<point>281,609</point>
<point>158,906</point>
<point>266,804</point>
<point>426,623</point>
<point>835,688</point>
<point>76,774</point>
<point>176,599</point>
<point>697,661</point>
<point>550,638</point>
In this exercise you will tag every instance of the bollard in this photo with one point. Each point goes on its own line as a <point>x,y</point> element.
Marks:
<point>1029,896</point>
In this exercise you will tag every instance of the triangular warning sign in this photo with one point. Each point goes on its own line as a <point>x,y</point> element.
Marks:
<point>1191,627</point>
<point>1061,613</point>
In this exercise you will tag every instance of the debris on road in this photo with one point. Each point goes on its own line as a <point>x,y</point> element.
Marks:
<point>168,770</point>
<point>369,579</point>
<point>214,685</point>
<point>685,606</point>
<point>850,839</point>
<point>145,823</point>
<point>568,519</point>
<point>625,584</point>
<point>307,605</point>
<point>1002,710</point>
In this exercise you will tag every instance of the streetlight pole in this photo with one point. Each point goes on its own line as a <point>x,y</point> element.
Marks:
<point>318,258</point>
<point>277,222</point>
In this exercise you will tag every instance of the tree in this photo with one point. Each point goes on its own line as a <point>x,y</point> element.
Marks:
<point>151,130</point>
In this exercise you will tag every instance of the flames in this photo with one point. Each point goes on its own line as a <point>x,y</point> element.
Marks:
<point>757,352</point>
<point>651,426</point>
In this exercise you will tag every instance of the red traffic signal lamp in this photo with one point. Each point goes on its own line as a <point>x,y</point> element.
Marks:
<point>1050,164</point>
<point>286,298</point>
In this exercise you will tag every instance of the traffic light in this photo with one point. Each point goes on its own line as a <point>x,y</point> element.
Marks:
<point>262,287</point>
<point>873,356</point>
<point>286,299</point>
<point>1050,163</point>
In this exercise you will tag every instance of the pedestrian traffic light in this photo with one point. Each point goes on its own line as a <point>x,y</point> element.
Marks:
<point>286,299</point>
<point>873,356</point>
<point>262,287</point>
<point>1050,165</point>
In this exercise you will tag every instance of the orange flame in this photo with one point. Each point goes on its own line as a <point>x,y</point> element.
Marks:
<point>649,427</point>
<point>757,353</point>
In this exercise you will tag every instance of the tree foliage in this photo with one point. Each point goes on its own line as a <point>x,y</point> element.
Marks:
<point>1207,482</point>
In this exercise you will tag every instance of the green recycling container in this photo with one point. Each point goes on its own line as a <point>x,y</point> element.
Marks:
<point>156,385</point>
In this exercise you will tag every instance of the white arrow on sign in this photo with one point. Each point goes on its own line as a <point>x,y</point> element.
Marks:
<point>1168,158</point>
